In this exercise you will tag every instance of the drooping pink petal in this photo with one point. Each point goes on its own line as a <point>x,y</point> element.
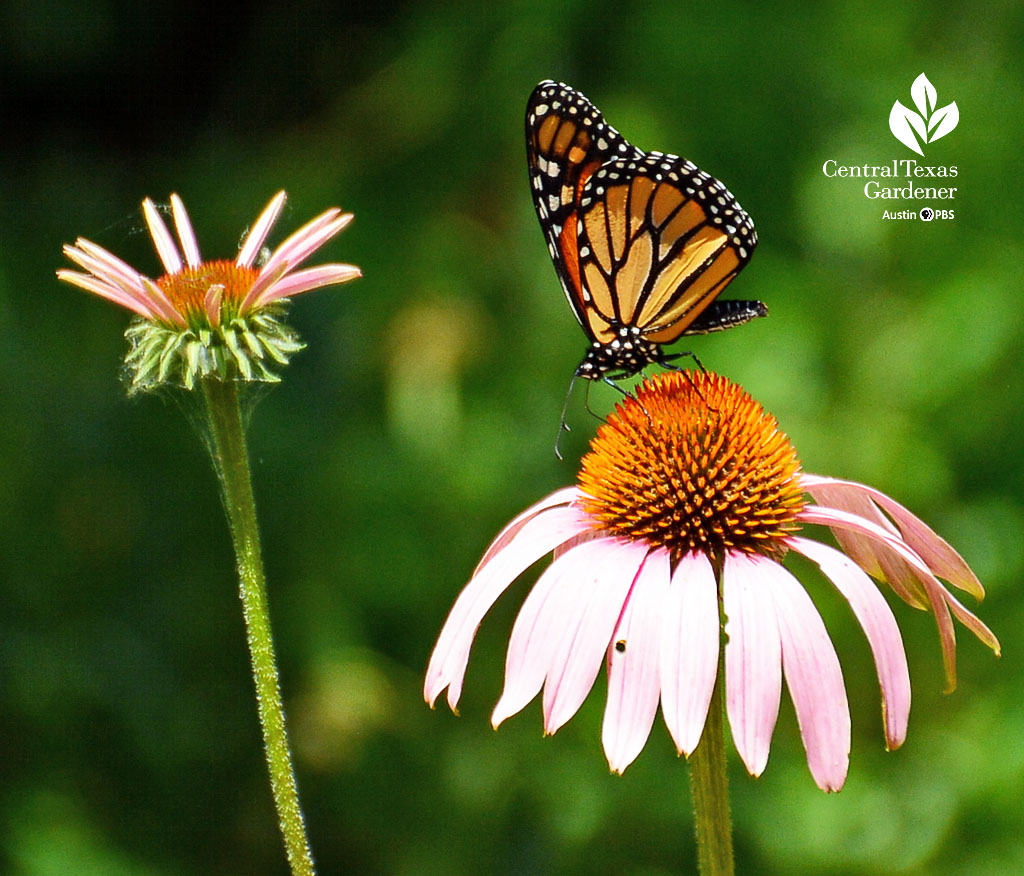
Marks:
<point>183,225</point>
<point>587,535</point>
<point>604,571</point>
<point>560,497</point>
<point>308,239</point>
<point>537,537</point>
<point>879,625</point>
<point>633,664</point>
<point>165,246</point>
<point>104,290</point>
<point>753,660</point>
<point>813,676</point>
<point>873,557</point>
<point>937,553</point>
<point>255,238</point>
<point>937,594</point>
<point>973,623</point>
<point>536,633</point>
<point>689,650</point>
<point>947,634</point>
<point>307,280</point>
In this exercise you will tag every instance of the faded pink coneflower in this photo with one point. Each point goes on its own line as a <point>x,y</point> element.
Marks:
<point>218,318</point>
<point>687,502</point>
<point>212,328</point>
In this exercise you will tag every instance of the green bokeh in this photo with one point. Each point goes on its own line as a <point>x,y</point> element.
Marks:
<point>423,414</point>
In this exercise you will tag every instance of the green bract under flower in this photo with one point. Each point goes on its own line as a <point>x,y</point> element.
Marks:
<point>250,348</point>
<point>217,319</point>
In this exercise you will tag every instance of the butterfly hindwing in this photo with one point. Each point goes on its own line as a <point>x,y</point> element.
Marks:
<point>658,239</point>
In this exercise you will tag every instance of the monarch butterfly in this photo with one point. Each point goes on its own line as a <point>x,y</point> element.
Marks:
<point>642,242</point>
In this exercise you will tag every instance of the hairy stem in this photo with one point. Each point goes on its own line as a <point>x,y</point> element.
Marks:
<point>231,461</point>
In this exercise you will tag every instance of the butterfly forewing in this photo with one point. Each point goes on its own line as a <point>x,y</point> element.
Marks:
<point>567,140</point>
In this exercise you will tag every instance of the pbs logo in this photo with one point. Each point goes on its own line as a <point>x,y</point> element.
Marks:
<point>927,214</point>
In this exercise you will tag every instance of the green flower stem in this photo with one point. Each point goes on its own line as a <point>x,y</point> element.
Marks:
<point>710,787</point>
<point>231,460</point>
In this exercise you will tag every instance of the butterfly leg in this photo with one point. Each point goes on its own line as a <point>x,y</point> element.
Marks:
<point>686,373</point>
<point>627,394</point>
<point>667,360</point>
<point>604,379</point>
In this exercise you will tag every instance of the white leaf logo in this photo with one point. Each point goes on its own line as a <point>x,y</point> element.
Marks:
<point>943,120</point>
<point>913,129</point>
<point>903,122</point>
<point>923,93</point>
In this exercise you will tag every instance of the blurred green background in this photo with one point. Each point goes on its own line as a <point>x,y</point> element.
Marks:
<point>423,414</point>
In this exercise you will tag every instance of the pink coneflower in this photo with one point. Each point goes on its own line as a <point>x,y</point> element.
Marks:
<point>204,318</point>
<point>686,505</point>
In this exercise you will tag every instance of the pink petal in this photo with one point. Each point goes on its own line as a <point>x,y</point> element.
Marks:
<point>212,301</point>
<point>254,240</point>
<point>633,674</point>
<point>538,536</point>
<point>879,625</point>
<point>104,290</point>
<point>874,558</point>
<point>938,554</point>
<point>937,594</point>
<point>753,660</point>
<point>973,623</point>
<point>560,497</point>
<point>689,650</point>
<point>307,280</point>
<point>109,269</point>
<point>587,535</point>
<point>309,238</point>
<point>185,233</point>
<point>162,239</point>
<point>604,570</point>
<point>106,266</point>
<point>535,636</point>
<point>266,280</point>
<point>947,636</point>
<point>813,676</point>
<point>160,303</point>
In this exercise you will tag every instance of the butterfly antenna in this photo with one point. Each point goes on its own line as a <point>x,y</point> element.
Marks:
<point>562,425</point>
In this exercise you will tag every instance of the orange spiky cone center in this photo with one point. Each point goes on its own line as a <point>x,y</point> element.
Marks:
<point>693,463</point>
